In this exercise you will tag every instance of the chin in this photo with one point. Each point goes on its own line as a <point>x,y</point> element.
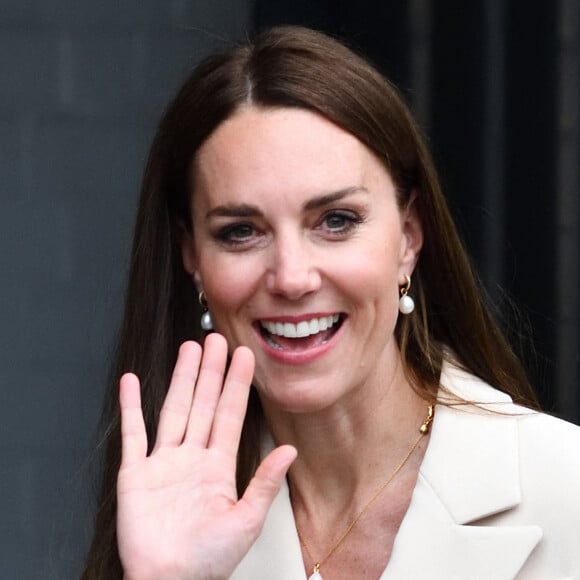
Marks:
<point>306,395</point>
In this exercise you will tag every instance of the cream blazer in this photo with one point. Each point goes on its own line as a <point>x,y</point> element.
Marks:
<point>497,498</point>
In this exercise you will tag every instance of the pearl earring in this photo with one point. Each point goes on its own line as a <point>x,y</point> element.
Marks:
<point>406,303</point>
<point>205,322</point>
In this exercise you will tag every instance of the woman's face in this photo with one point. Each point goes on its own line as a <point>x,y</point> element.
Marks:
<point>300,248</point>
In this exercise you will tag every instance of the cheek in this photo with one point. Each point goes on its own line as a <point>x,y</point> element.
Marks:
<point>375,292</point>
<point>229,284</point>
<point>371,273</point>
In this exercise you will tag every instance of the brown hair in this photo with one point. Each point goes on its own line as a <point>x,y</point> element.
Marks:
<point>288,67</point>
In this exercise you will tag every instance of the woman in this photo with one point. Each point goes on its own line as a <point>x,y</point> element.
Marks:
<point>289,189</point>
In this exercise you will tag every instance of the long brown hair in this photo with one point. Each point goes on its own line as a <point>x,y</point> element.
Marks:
<point>287,67</point>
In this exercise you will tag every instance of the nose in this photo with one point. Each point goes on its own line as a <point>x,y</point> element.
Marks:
<point>293,272</point>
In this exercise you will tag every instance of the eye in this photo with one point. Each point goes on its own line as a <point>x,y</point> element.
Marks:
<point>340,221</point>
<point>238,233</point>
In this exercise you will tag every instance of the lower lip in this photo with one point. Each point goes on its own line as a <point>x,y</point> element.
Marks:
<point>291,357</point>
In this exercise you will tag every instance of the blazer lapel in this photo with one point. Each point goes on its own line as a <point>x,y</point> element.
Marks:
<point>469,473</point>
<point>276,553</point>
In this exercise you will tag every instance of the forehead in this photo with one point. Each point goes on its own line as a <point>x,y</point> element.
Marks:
<point>287,151</point>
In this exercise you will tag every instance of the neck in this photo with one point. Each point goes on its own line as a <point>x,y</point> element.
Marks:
<point>346,450</point>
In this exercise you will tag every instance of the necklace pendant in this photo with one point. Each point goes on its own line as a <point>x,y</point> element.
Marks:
<point>315,572</point>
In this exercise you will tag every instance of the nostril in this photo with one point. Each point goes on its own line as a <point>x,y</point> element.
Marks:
<point>293,283</point>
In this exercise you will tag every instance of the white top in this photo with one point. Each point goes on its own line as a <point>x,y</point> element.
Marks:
<point>497,498</point>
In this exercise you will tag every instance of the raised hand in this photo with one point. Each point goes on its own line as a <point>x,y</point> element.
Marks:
<point>178,515</point>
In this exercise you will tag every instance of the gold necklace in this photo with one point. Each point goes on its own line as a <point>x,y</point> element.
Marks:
<point>423,430</point>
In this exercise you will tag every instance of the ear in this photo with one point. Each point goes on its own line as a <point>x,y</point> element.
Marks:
<point>188,254</point>
<point>412,240</point>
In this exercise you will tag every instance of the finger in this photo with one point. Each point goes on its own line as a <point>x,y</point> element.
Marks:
<point>177,405</point>
<point>231,410</point>
<point>207,390</point>
<point>260,493</point>
<point>133,433</point>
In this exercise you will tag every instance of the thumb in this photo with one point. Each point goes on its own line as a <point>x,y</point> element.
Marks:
<point>263,487</point>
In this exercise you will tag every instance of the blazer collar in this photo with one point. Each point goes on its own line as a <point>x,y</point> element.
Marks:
<point>276,553</point>
<point>469,473</point>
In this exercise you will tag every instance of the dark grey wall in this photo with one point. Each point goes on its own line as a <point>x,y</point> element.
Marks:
<point>82,84</point>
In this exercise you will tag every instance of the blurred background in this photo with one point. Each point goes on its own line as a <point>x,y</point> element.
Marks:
<point>494,83</point>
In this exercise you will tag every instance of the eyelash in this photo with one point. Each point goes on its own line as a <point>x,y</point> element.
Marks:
<point>227,234</point>
<point>351,218</point>
<point>230,235</point>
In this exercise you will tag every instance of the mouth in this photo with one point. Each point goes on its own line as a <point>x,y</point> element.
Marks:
<point>302,335</point>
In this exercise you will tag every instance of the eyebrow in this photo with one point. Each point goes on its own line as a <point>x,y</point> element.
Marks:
<point>246,210</point>
<point>242,210</point>
<point>329,198</point>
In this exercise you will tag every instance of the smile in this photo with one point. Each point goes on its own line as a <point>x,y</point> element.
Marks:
<point>301,336</point>
<point>302,329</point>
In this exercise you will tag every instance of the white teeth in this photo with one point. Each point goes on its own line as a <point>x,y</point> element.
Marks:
<point>290,330</point>
<point>302,329</point>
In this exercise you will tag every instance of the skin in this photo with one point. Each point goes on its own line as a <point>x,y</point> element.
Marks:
<point>178,514</point>
<point>293,218</point>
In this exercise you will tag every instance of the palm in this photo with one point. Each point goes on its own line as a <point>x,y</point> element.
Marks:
<point>178,511</point>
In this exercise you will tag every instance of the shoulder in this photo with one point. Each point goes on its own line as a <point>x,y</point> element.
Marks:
<point>523,466</point>
<point>545,449</point>
<point>549,460</point>
<point>542,439</point>
<point>550,456</point>
<point>543,430</point>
